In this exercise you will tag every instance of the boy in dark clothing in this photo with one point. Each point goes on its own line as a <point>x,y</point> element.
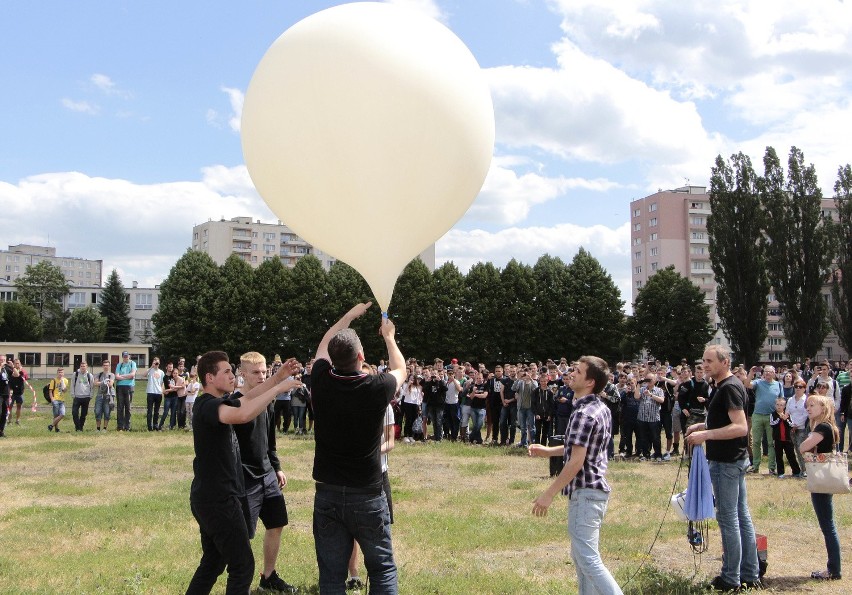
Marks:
<point>782,435</point>
<point>218,490</point>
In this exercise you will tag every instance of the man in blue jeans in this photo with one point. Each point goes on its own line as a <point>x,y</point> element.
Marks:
<point>350,503</point>
<point>726,433</point>
<point>583,477</point>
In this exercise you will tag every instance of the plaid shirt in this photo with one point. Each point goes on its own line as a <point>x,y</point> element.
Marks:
<point>649,409</point>
<point>589,426</point>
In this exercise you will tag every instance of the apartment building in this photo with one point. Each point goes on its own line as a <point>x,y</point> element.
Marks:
<point>77,271</point>
<point>668,228</point>
<point>256,242</point>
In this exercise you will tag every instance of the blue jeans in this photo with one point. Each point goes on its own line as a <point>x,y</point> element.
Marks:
<point>478,417</point>
<point>169,405</point>
<point>299,416</point>
<point>739,550</point>
<point>340,517</point>
<point>526,420</point>
<point>436,418</point>
<point>586,511</point>
<point>824,509</point>
<point>842,427</point>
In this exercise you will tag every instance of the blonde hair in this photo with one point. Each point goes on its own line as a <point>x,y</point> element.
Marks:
<point>252,358</point>
<point>827,413</point>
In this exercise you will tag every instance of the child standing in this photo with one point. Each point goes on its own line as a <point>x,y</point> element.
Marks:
<point>782,435</point>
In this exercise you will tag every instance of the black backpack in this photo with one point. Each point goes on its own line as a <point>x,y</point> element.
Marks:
<point>46,391</point>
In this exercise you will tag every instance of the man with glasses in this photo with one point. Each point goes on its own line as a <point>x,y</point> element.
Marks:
<point>766,390</point>
<point>125,378</point>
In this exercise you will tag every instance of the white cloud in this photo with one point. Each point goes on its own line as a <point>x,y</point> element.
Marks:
<point>610,246</point>
<point>83,107</point>
<point>429,8</point>
<point>236,98</point>
<point>507,196</point>
<point>140,229</point>
<point>105,84</point>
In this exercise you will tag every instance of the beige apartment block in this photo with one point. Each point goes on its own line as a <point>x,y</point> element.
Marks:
<point>256,242</point>
<point>668,228</point>
<point>77,271</point>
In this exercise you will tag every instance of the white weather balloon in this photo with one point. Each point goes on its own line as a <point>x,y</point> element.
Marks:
<point>368,129</point>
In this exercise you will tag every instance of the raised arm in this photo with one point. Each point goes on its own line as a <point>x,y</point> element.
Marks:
<point>355,312</point>
<point>396,362</point>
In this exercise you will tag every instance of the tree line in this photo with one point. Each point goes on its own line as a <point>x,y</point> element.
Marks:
<point>768,233</point>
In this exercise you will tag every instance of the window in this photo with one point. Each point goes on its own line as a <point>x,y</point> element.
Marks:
<point>654,251</point>
<point>652,207</point>
<point>254,258</point>
<point>95,360</point>
<point>140,359</point>
<point>697,235</point>
<point>17,269</point>
<point>697,205</point>
<point>698,265</point>
<point>637,212</point>
<point>654,266</point>
<point>77,299</point>
<point>31,358</point>
<point>205,233</point>
<point>697,250</point>
<point>269,247</point>
<point>770,298</point>
<point>58,360</point>
<point>776,356</point>
<point>268,236</point>
<point>775,341</point>
<point>254,246</point>
<point>653,237</point>
<point>195,236</point>
<point>639,285</point>
<point>144,301</point>
<point>775,326</point>
<point>7,296</point>
<point>142,323</point>
<point>88,274</point>
<point>697,220</point>
<point>636,227</point>
<point>653,222</point>
<point>637,255</point>
<point>637,270</point>
<point>94,298</point>
<point>637,241</point>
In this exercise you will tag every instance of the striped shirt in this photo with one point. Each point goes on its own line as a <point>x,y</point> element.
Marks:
<point>649,409</point>
<point>589,427</point>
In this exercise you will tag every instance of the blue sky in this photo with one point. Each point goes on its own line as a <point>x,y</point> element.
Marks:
<point>119,119</point>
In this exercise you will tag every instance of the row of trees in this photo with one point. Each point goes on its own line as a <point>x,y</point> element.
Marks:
<point>38,315</point>
<point>769,233</point>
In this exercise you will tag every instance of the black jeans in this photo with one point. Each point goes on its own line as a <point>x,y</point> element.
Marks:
<point>79,411</point>
<point>436,416</point>
<point>543,427</point>
<point>649,435</point>
<point>451,417</point>
<point>4,407</point>
<point>410,412</point>
<point>508,423</point>
<point>181,412</point>
<point>495,406</point>
<point>283,415</point>
<point>629,432</point>
<point>782,448</point>
<point>224,542</point>
<point>154,400</point>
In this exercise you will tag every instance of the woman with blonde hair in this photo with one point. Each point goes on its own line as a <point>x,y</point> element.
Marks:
<point>823,439</point>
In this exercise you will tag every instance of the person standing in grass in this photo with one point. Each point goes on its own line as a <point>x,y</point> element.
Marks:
<point>262,474</point>
<point>58,388</point>
<point>726,433</point>
<point>125,379</point>
<point>82,390</point>
<point>105,399</point>
<point>583,477</point>
<point>217,495</point>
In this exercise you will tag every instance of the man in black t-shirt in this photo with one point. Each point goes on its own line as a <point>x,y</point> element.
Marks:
<point>5,393</point>
<point>217,493</point>
<point>726,433</point>
<point>350,408</point>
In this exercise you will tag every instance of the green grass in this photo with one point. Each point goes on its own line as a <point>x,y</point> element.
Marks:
<point>109,513</point>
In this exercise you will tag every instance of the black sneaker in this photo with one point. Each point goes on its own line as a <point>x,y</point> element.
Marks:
<point>718,584</point>
<point>755,585</point>
<point>49,427</point>
<point>354,584</point>
<point>275,583</point>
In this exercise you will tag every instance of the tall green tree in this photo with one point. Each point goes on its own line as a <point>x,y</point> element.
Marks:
<point>43,286</point>
<point>595,307</point>
<point>186,322</point>
<point>308,308</point>
<point>445,335</point>
<point>86,325</point>
<point>346,288</point>
<point>841,281</point>
<point>553,318</point>
<point>671,318</point>
<point>485,323</point>
<point>799,250</point>
<point>19,322</point>
<point>274,292</point>
<point>738,255</point>
<point>237,308</point>
<point>518,304</point>
<point>410,308</point>
<point>113,306</point>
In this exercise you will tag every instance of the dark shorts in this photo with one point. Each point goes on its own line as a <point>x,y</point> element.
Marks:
<point>265,502</point>
<point>19,399</point>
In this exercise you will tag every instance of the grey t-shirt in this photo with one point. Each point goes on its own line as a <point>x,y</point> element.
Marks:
<point>82,384</point>
<point>103,389</point>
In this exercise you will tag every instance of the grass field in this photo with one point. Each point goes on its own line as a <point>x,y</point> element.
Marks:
<point>109,513</point>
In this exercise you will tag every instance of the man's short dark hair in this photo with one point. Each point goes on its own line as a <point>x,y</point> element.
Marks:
<point>343,348</point>
<point>209,364</point>
<point>596,369</point>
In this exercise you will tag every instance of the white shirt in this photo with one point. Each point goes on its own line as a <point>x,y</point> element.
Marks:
<point>796,409</point>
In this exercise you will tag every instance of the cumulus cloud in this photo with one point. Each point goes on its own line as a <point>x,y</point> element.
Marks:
<point>236,98</point>
<point>428,7</point>
<point>526,244</point>
<point>106,85</point>
<point>140,229</point>
<point>83,107</point>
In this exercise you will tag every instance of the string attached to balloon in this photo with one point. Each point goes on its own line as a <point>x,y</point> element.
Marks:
<point>361,115</point>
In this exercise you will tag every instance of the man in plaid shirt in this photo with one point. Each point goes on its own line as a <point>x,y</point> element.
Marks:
<point>582,478</point>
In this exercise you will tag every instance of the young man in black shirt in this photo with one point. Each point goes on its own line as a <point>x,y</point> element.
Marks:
<point>262,473</point>
<point>217,494</point>
<point>350,408</point>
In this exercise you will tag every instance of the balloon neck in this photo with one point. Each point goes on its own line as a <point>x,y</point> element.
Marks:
<point>384,315</point>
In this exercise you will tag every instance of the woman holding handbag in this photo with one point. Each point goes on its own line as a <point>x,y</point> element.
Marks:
<point>823,438</point>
